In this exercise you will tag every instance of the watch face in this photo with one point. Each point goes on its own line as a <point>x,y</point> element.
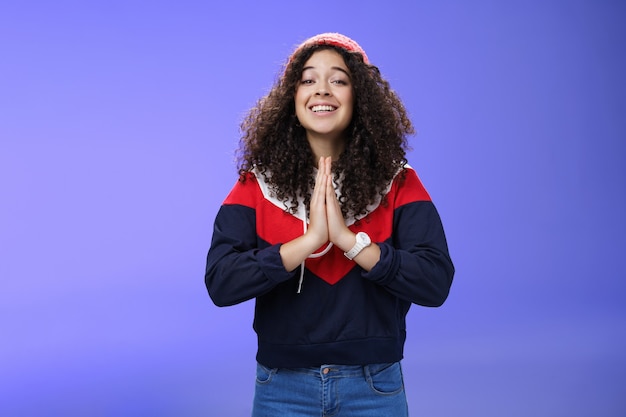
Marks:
<point>363,238</point>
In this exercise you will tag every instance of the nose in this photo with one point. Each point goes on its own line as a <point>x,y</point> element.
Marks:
<point>322,91</point>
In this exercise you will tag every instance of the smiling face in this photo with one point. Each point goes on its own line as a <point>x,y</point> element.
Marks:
<point>324,99</point>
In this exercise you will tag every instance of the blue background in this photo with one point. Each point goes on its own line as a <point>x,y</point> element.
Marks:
<point>118,125</point>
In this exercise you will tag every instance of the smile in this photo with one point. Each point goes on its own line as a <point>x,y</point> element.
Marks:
<point>318,109</point>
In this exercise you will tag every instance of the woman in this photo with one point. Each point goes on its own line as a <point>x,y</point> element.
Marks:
<point>332,233</point>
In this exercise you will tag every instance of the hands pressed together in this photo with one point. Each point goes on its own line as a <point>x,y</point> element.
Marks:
<point>326,220</point>
<point>326,223</point>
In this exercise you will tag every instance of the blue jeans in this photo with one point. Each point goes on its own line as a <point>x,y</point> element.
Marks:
<point>330,390</point>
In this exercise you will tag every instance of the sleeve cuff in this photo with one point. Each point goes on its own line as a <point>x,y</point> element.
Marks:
<point>272,264</point>
<point>385,269</point>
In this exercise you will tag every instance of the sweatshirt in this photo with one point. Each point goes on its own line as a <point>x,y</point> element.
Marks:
<point>329,310</point>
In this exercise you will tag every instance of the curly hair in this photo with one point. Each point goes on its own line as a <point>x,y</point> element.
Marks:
<point>376,141</point>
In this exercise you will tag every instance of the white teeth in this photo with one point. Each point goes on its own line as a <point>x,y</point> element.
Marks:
<point>322,108</point>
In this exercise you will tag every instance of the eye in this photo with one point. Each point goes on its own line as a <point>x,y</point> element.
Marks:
<point>306,81</point>
<point>339,82</point>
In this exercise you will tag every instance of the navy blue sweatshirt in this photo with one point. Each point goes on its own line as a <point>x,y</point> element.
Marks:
<point>342,314</point>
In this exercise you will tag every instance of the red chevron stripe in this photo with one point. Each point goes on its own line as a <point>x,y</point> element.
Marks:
<point>275,226</point>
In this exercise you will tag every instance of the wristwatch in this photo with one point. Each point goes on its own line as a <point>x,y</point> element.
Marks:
<point>362,241</point>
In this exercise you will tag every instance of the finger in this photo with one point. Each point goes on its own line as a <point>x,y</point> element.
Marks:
<point>317,210</point>
<point>334,216</point>
<point>330,189</point>
<point>320,167</point>
<point>319,188</point>
<point>332,203</point>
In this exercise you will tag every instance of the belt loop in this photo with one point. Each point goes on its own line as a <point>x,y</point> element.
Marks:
<point>366,372</point>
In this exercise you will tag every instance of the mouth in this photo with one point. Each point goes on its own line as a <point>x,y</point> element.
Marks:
<point>323,109</point>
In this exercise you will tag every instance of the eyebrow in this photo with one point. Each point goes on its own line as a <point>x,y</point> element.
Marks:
<point>332,68</point>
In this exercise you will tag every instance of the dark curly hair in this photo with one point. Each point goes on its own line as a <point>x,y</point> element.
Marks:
<point>376,142</point>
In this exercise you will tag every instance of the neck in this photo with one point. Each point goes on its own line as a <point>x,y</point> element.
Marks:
<point>323,147</point>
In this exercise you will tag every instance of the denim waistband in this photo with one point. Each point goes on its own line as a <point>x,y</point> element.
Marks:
<point>339,371</point>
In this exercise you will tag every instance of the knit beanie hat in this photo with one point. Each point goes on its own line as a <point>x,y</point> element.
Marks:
<point>334,39</point>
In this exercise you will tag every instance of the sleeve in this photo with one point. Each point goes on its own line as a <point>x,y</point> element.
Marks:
<point>415,264</point>
<point>238,268</point>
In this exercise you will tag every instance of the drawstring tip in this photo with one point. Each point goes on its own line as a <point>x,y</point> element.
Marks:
<point>301,278</point>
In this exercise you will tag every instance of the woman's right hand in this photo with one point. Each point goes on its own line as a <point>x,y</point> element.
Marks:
<point>318,222</point>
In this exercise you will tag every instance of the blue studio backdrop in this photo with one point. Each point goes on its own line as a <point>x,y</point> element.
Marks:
<point>118,126</point>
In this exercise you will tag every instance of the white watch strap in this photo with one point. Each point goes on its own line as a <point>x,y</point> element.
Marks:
<point>360,244</point>
<point>356,249</point>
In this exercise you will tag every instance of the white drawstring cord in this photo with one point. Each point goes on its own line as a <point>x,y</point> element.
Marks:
<point>313,255</point>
